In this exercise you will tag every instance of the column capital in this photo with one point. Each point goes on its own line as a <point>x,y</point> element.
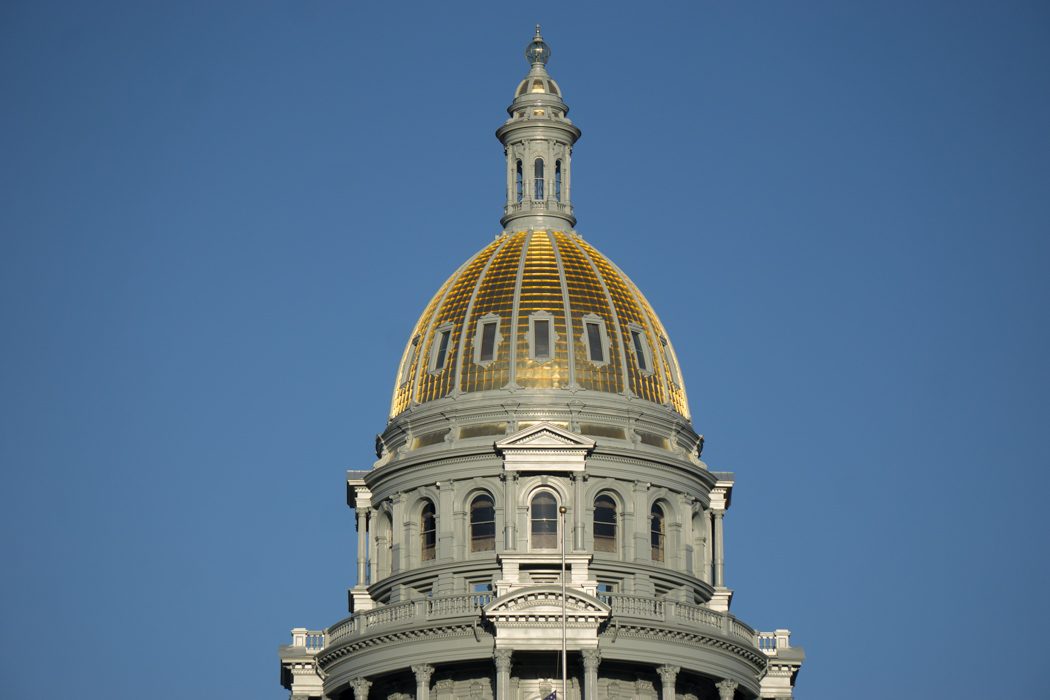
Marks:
<point>726,689</point>
<point>360,687</point>
<point>591,659</point>
<point>423,672</point>
<point>668,673</point>
<point>503,659</point>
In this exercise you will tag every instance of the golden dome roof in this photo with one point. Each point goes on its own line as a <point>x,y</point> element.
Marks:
<point>539,310</point>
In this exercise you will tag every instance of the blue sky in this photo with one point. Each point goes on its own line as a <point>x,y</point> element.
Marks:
<point>219,221</point>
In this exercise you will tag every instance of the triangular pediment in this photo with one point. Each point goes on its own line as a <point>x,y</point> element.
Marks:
<point>545,435</point>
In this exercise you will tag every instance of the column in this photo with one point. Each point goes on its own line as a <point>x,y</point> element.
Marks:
<point>510,510</point>
<point>360,687</point>
<point>668,674</point>
<point>726,689</point>
<point>641,520</point>
<point>591,659</point>
<point>709,544</point>
<point>423,673</point>
<point>362,544</point>
<point>719,550</point>
<point>502,657</point>
<point>577,512</point>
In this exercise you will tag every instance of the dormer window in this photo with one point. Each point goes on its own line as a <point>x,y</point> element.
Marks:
<point>410,357</point>
<point>487,339</point>
<point>642,353</point>
<point>439,352</point>
<point>672,366</point>
<point>595,339</point>
<point>541,336</point>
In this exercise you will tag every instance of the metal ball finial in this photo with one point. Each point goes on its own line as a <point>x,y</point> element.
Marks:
<point>537,51</point>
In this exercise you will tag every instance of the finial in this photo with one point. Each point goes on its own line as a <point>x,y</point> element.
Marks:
<point>537,52</point>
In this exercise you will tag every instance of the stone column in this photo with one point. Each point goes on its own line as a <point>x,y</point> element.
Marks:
<point>726,689</point>
<point>591,659</point>
<point>719,550</point>
<point>362,544</point>
<point>503,659</point>
<point>423,673</point>
<point>577,512</point>
<point>640,536</point>
<point>510,510</point>
<point>360,687</point>
<point>668,674</point>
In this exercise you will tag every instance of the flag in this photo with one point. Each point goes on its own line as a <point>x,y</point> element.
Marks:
<point>552,696</point>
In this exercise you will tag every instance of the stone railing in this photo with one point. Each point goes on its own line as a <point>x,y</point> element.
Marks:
<point>669,611</point>
<point>622,604</point>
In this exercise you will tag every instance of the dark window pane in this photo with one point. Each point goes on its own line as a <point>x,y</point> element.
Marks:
<point>538,174</point>
<point>428,532</point>
<point>639,350</point>
<point>439,361</point>
<point>519,182</point>
<point>604,524</point>
<point>544,513</point>
<point>656,534</point>
<point>482,524</point>
<point>488,341</point>
<point>594,342</point>
<point>542,332</point>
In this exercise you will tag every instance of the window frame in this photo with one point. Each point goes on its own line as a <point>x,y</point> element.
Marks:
<point>406,369</point>
<point>557,521</point>
<point>615,539</point>
<point>552,337</point>
<point>444,330</point>
<point>603,336</point>
<point>637,334</point>
<point>658,552</point>
<point>489,319</point>
<point>471,523</point>
<point>424,548</point>
<point>539,190</point>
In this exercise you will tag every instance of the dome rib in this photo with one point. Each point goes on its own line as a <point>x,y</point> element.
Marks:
<point>470,321</point>
<point>570,337</point>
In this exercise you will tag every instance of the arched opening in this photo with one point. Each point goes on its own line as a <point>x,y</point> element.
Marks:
<point>427,532</point>
<point>482,524</point>
<point>604,524</point>
<point>557,180</point>
<point>656,532</point>
<point>543,515</point>
<point>537,173</point>
<point>519,182</point>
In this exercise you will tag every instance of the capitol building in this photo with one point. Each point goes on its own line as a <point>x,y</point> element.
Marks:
<point>539,522</point>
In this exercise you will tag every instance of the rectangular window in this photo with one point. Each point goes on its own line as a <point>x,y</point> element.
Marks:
<point>594,342</point>
<point>488,341</point>
<point>640,350</point>
<point>541,331</point>
<point>442,349</point>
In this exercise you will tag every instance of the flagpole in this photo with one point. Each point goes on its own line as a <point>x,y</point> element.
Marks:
<point>564,655</point>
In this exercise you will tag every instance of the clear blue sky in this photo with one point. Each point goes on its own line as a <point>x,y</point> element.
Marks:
<point>219,221</point>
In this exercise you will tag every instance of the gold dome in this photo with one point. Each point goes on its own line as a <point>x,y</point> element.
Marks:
<point>500,324</point>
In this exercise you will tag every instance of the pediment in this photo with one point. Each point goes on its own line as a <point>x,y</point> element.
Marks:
<point>544,601</point>
<point>545,435</point>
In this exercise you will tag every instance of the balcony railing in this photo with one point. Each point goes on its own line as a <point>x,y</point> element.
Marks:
<point>623,606</point>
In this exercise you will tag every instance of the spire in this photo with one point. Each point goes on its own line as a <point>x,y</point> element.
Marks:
<point>537,140</point>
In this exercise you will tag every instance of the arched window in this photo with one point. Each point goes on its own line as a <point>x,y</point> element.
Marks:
<point>544,521</point>
<point>656,532</point>
<point>604,524</point>
<point>519,182</point>
<point>427,532</point>
<point>482,524</point>
<point>537,192</point>
<point>557,180</point>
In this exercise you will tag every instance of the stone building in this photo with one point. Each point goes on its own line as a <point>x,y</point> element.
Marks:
<point>539,513</point>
